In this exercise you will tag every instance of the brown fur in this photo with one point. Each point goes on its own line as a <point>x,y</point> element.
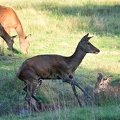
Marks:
<point>104,91</point>
<point>8,39</point>
<point>103,84</point>
<point>41,67</point>
<point>9,20</point>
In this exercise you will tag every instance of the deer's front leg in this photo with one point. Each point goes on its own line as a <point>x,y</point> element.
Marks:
<point>73,82</point>
<point>78,85</point>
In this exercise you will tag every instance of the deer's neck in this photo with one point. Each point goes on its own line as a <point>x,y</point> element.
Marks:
<point>20,32</point>
<point>5,36</point>
<point>77,58</point>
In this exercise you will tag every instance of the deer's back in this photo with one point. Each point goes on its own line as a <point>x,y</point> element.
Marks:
<point>44,66</point>
<point>8,17</point>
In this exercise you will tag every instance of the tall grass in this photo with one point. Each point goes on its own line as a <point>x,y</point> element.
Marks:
<point>56,27</point>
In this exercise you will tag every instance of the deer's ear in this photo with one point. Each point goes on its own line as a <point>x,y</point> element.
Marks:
<point>99,77</point>
<point>109,78</point>
<point>85,38</point>
<point>89,38</point>
<point>14,36</point>
<point>28,37</point>
<point>86,35</point>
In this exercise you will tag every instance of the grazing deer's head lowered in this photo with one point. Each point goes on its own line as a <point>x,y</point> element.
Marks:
<point>9,20</point>
<point>42,67</point>
<point>8,39</point>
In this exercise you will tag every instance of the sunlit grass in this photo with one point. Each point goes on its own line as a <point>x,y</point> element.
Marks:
<point>56,28</point>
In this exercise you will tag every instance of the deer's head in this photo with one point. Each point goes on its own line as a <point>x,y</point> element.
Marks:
<point>25,44</point>
<point>102,83</point>
<point>86,46</point>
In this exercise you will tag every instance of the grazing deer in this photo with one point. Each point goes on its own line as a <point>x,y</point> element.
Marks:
<point>9,20</point>
<point>103,85</point>
<point>41,67</point>
<point>8,39</point>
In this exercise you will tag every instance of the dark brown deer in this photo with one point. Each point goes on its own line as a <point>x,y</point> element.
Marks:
<point>9,20</point>
<point>8,39</point>
<point>103,85</point>
<point>42,67</point>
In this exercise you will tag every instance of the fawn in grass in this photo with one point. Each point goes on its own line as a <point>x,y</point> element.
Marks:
<point>104,90</point>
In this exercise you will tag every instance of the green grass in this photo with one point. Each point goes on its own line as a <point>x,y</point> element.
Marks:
<point>56,28</point>
<point>89,113</point>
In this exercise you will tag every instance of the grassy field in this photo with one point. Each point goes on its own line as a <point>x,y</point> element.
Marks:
<point>56,28</point>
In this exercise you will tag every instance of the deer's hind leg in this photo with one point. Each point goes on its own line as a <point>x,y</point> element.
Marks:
<point>31,88</point>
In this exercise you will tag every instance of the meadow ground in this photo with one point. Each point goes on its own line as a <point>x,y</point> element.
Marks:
<point>56,28</point>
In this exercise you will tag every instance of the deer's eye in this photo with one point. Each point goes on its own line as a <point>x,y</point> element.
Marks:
<point>100,84</point>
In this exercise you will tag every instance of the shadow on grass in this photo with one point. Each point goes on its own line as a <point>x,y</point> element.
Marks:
<point>88,9</point>
<point>16,51</point>
<point>115,82</point>
<point>11,89</point>
<point>99,19</point>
